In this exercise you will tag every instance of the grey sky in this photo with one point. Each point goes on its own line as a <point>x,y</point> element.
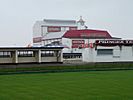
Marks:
<point>18,16</point>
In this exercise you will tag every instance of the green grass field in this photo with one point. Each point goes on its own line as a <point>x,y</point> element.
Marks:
<point>93,85</point>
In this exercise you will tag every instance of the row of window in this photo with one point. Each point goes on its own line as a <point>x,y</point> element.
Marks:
<point>5,54</point>
<point>28,53</point>
<point>53,53</point>
<point>48,53</point>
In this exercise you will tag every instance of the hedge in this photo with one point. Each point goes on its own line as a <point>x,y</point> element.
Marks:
<point>30,68</point>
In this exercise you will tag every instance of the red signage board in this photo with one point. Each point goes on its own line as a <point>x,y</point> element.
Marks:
<point>37,39</point>
<point>54,29</point>
<point>72,28</point>
<point>93,35</point>
<point>77,43</point>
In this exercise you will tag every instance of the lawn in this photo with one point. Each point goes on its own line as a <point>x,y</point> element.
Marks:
<point>93,85</point>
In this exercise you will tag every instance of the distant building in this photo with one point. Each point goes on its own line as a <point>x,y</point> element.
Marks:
<point>78,40</point>
<point>42,28</point>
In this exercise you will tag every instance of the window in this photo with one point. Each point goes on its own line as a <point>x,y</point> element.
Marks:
<point>72,55</point>
<point>5,54</point>
<point>25,53</point>
<point>105,52</point>
<point>47,53</point>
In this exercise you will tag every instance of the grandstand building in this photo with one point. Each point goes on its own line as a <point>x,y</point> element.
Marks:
<point>80,42</point>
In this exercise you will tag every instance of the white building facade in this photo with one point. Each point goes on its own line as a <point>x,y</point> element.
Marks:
<point>42,28</point>
<point>109,51</point>
<point>91,45</point>
<point>50,26</point>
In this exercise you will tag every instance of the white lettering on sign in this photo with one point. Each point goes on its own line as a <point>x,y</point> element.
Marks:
<point>37,39</point>
<point>72,28</point>
<point>93,35</point>
<point>77,43</point>
<point>54,29</point>
<point>114,42</point>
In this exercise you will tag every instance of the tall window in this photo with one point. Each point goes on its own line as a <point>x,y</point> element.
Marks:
<point>105,52</point>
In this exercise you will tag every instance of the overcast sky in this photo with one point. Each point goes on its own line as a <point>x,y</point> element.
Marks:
<point>18,16</point>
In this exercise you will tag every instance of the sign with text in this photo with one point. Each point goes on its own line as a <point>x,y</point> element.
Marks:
<point>113,42</point>
<point>72,28</point>
<point>77,43</point>
<point>54,29</point>
<point>37,39</point>
<point>93,35</point>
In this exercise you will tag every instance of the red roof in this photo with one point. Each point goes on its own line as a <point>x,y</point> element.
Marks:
<point>87,33</point>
